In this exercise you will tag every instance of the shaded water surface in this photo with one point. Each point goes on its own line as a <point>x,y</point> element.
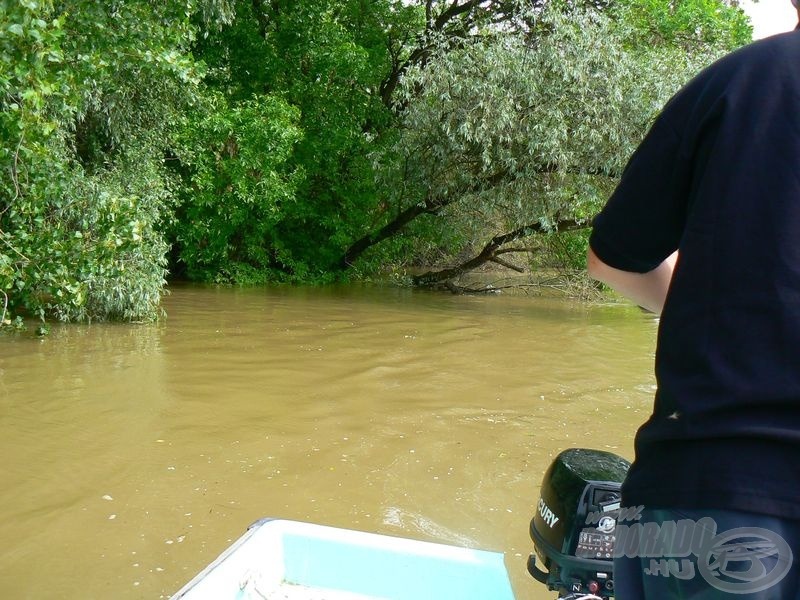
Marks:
<point>133,455</point>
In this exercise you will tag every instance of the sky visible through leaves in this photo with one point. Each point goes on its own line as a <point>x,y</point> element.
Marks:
<point>770,16</point>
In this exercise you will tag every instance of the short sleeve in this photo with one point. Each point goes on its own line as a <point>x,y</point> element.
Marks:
<point>643,221</point>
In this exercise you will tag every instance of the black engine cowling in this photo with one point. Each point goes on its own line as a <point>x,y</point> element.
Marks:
<point>573,527</point>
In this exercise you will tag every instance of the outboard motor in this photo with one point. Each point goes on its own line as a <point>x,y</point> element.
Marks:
<point>573,528</point>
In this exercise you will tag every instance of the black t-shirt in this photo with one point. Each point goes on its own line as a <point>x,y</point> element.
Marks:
<point>718,177</point>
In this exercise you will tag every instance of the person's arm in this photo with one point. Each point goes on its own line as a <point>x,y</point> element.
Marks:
<point>648,290</point>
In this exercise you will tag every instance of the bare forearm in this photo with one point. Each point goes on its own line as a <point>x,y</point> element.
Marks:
<point>648,290</point>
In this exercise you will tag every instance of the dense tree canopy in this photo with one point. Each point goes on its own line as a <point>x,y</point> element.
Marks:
<point>325,60</point>
<point>293,140</point>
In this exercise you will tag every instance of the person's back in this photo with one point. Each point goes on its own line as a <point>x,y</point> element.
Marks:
<point>717,181</point>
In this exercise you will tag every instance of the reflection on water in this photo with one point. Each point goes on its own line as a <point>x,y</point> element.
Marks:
<point>134,454</point>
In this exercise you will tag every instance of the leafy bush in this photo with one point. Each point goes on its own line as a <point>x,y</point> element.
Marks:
<point>89,92</point>
<point>237,185</point>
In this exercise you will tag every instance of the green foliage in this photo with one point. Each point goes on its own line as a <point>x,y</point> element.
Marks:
<point>531,128</point>
<point>563,251</point>
<point>318,65</point>
<point>88,93</point>
<point>87,248</point>
<point>241,184</point>
<point>690,24</point>
<point>261,139</point>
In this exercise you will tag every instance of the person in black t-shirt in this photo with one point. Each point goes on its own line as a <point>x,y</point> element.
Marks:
<point>704,229</point>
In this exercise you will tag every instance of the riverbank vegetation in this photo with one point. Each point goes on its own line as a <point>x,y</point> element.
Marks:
<point>257,141</point>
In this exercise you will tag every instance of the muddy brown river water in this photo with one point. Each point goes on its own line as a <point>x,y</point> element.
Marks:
<point>133,454</point>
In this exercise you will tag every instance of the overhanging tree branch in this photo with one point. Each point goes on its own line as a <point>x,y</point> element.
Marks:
<point>404,217</point>
<point>491,249</point>
<point>393,227</point>
<point>504,263</point>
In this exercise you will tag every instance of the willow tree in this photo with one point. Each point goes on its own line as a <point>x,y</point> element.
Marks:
<point>527,132</point>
